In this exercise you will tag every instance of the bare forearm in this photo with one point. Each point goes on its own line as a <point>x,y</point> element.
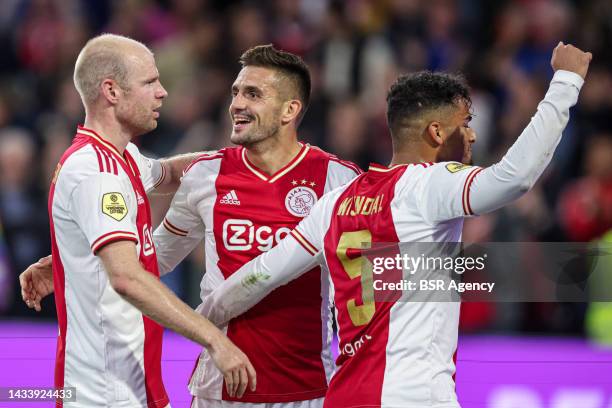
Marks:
<point>156,301</point>
<point>176,164</point>
<point>150,296</point>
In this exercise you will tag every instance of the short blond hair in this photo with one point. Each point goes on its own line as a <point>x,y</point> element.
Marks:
<point>103,57</point>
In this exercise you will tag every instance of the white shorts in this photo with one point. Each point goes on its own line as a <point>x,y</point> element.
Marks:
<point>209,403</point>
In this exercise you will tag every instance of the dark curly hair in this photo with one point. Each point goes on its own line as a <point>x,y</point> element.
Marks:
<point>413,94</point>
<point>288,64</point>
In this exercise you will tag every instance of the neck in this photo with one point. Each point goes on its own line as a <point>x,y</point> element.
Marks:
<point>109,129</point>
<point>413,153</point>
<point>274,153</point>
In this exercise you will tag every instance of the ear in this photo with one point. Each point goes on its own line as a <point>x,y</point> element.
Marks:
<point>110,91</point>
<point>291,110</point>
<point>435,133</point>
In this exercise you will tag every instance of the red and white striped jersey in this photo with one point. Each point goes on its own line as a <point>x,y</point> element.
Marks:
<point>241,212</point>
<point>397,354</point>
<point>106,348</point>
<point>392,353</point>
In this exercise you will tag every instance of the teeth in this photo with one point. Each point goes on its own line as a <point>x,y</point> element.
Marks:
<point>241,120</point>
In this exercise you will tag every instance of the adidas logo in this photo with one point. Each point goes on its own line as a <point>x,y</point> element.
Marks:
<point>230,198</point>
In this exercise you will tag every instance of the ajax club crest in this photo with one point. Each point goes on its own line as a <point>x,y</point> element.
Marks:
<point>300,200</point>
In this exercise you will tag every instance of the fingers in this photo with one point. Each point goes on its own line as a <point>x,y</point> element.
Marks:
<point>236,376</point>
<point>25,287</point>
<point>244,381</point>
<point>229,383</point>
<point>252,375</point>
<point>46,261</point>
<point>238,379</point>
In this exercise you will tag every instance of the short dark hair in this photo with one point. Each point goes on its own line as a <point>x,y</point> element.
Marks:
<point>422,91</point>
<point>290,65</point>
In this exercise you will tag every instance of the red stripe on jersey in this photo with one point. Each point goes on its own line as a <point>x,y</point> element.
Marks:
<point>311,249</point>
<point>99,157</point>
<point>360,377</point>
<point>112,237</point>
<point>455,363</point>
<point>106,161</point>
<point>467,209</point>
<point>59,282</point>
<point>111,233</point>
<point>112,167</point>
<point>175,230</point>
<point>348,164</point>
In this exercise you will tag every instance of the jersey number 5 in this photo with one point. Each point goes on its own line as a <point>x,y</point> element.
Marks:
<point>358,267</point>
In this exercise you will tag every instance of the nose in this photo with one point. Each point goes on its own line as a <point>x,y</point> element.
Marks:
<point>238,103</point>
<point>161,92</point>
<point>471,135</point>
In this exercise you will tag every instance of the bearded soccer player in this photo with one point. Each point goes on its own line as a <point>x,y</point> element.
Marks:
<point>105,269</point>
<point>405,358</point>
<point>242,201</point>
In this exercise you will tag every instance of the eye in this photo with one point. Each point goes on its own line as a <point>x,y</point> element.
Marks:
<point>467,121</point>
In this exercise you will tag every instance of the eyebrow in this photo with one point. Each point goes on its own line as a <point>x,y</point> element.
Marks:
<point>248,88</point>
<point>151,79</point>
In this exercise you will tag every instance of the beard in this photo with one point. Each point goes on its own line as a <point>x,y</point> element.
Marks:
<point>254,135</point>
<point>138,120</point>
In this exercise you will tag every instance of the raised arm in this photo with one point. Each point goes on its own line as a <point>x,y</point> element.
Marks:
<point>456,190</point>
<point>525,161</point>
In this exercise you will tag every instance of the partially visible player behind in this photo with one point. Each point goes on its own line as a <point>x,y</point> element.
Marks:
<point>242,201</point>
<point>406,349</point>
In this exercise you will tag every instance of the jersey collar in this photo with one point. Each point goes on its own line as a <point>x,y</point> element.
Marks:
<point>94,135</point>
<point>280,173</point>
<point>384,169</point>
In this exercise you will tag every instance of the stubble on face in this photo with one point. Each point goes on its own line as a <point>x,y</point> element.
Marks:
<point>136,109</point>
<point>256,106</point>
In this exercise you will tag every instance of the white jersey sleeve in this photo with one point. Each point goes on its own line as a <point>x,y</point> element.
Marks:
<point>298,253</point>
<point>339,173</point>
<point>182,229</point>
<point>105,210</point>
<point>152,171</point>
<point>452,190</point>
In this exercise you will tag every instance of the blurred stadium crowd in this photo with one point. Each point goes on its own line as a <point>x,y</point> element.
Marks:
<point>355,49</point>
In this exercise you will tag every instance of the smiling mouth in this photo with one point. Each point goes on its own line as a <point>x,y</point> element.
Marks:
<point>241,121</point>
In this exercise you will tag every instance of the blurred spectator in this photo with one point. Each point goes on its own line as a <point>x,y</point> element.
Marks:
<point>21,204</point>
<point>585,207</point>
<point>7,289</point>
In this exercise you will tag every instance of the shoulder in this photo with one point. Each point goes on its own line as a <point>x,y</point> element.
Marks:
<point>85,162</point>
<point>205,162</point>
<point>335,163</point>
<point>133,149</point>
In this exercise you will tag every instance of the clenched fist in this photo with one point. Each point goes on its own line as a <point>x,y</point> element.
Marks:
<point>569,58</point>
